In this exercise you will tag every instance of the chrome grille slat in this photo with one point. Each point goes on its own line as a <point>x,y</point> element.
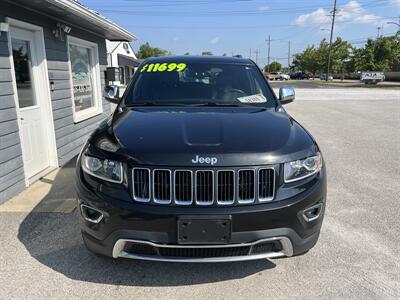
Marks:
<point>246,186</point>
<point>141,187</point>
<point>266,184</point>
<point>204,186</point>
<point>162,191</point>
<point>225,187</point>
<point>183,187</point>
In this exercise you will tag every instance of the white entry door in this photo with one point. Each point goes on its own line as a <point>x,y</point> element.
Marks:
<point>35,140</point>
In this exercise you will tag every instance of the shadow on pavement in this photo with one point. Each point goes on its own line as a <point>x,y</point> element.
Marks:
<point>54,239</point>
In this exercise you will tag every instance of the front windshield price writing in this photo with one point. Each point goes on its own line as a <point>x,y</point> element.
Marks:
<point>164,67</point>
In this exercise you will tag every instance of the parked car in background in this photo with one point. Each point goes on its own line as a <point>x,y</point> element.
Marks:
<point>273,75</point>
<point>323,77</point>
<point>268,76</point>
<point>282,76</point>
<point>279,76</point>
<point>372,77</point>
<point>299,76</point>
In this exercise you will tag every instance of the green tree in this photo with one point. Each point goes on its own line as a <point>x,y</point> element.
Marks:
<point>146,51</point>
<point>341,51</point>
<point>206,53</point>
<point>377,55</point>
<point>322,56</point>
<point>307,60</point>
<point>314,59</point>
<point>273,67</point>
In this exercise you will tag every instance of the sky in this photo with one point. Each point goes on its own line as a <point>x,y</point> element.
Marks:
<point>243,26</point>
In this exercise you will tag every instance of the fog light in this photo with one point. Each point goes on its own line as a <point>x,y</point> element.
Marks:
<point>91,214</point>
<point>313,212</point>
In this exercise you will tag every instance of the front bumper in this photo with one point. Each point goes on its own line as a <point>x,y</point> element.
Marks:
<point>140,231</point>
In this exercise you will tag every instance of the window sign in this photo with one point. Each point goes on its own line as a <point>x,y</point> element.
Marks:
<point>85,78</point>
<point>82,77</point>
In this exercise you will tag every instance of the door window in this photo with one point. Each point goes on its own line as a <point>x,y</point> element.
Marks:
<point>85,79</point>
<point>23,72</point>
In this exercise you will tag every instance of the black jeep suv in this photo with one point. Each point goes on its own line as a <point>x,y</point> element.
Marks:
<point>200,163</point>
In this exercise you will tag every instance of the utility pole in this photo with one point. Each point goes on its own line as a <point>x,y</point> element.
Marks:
<point>269,51</point>
<point>330,40</point>
<point>288,57</point>
<point>250,54</point>
<point>257,57</point>
<point>379,31</point>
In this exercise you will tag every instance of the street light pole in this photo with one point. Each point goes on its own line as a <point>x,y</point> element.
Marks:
<point>330,40</point>
<point>394,23</point>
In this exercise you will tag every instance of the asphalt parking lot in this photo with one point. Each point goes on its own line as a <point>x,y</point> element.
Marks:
<point>357,256</point>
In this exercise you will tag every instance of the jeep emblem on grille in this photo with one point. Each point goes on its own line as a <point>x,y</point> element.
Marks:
<point>204,160</point>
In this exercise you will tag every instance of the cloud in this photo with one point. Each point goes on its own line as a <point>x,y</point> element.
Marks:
<point>351,12</point>
<point>263,8</point>
<point>176,38</point>
<point>395,2</point>
<point>316,17</point>
<point>215,40</point>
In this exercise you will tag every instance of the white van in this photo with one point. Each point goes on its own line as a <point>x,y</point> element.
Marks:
<point>372,77</point>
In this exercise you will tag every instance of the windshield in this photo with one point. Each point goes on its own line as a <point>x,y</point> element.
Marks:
<point>199,84</point>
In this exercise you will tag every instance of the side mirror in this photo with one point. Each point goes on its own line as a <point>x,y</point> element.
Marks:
<point>286,94</point>
<point>111,93</point>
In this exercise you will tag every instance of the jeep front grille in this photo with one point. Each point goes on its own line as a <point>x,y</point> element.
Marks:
<point>141,185</point>
<point>204,187</point>
<point>183,187</point>
<point>162,190</point>
<point>225,187</point>
<point>246,186</point>
<point>266,182</point>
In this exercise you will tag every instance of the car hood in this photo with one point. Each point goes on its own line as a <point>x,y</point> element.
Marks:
<point>235,136</point>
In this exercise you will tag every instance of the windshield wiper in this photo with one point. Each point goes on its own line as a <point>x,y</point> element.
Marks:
<point>155,104</point>
<point>227,104</point>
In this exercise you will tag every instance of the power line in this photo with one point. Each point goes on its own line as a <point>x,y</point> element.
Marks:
<point>127,4</point>
<point>365,39</point>
<point>234,27</point>
<point>225,12</point>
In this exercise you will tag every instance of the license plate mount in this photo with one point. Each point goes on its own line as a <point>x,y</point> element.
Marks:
<point>204,229</point>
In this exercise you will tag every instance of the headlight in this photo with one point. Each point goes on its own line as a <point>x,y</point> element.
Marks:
<point>303,168</point>
<point>109,170</point>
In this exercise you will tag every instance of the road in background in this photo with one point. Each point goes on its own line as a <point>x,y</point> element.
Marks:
<point>310,90</point>
<point>357,256</point>
<point>317,83</point>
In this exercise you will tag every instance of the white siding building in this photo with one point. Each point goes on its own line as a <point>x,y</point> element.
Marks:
<point>120,55</point>
<point>53,59</point>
